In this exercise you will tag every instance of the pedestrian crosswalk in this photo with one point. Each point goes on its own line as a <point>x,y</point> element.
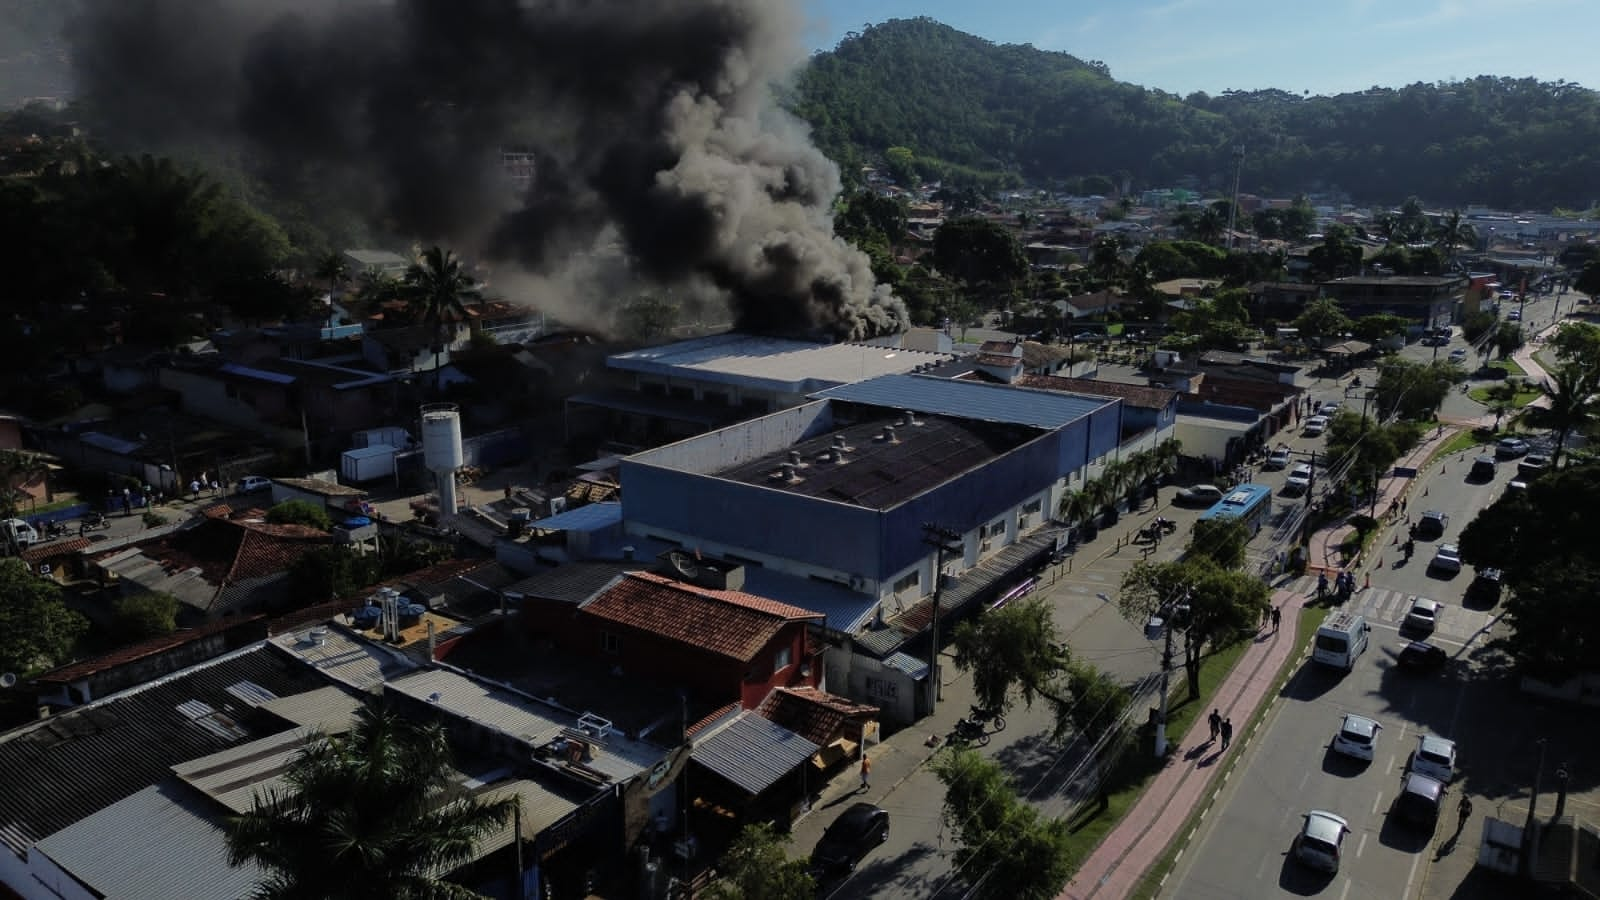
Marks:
<point>1389,607</point>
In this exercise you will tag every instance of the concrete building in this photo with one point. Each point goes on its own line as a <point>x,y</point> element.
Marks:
<point>1427,301</point>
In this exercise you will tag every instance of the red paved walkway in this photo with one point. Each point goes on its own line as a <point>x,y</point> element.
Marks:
<point>1144,834</point>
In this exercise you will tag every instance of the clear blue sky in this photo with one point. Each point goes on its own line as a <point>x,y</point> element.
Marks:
<point>1321,46</point>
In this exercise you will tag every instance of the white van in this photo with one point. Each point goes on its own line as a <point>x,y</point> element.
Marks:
<point>1340,640</point>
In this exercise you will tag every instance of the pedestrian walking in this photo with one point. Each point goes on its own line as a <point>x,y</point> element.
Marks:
<point>866,771</point>
<point>1216,723</point>
<point>1266,615</point>
<point>1227,732</point>
<point>1277,614</point>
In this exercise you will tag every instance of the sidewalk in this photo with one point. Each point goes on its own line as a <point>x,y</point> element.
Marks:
<point>1143,835</point>
<point>1392,489</point>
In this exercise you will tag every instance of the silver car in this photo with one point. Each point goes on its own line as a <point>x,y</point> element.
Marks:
<point>1321,839</point>
<point>1357,737</point>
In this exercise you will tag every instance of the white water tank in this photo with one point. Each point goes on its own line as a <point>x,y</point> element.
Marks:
<point>441,437</point>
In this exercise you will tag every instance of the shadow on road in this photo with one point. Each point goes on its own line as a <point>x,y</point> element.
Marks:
<point>1341,766</point>
<point>887,877</point>
<point>1311,682</point>
<point>1402,836</point>
<point>1040,765</point>
<point>1297,878</point>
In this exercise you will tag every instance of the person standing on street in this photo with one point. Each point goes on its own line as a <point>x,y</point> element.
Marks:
<point>1216,723</point>
<point>1277,614</point>
<point>1227,732</point>
<point>866,771</point>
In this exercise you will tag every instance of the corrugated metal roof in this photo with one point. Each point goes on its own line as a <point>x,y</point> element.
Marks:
<point>585,518</point>
<point>777,364</point>
<point>535,724</point>
<point>541,808</point>
<point>968,400</point>
<point>329,708</point>
<point>157,844</point>
<point>349,660</point>
<point>751,752</point>
<point>234,776</point>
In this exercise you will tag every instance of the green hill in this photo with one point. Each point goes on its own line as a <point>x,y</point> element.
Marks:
<point>960,101</point>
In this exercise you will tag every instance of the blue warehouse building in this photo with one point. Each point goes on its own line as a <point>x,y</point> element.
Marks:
<point>837,490</point>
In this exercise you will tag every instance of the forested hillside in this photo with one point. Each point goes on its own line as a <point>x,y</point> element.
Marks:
<point>958,100</point>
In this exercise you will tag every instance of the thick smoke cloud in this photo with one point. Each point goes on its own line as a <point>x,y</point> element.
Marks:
<point>651,122</point>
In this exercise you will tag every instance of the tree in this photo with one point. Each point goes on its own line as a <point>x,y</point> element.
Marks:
<point>370,814</point>
<point>1570,391</point>
<point>334,272</point>
<point>756,868</point>
<point>1370,446</point>
<point>1501,399</point>
<point>1223,604</point>
<point>1452,232</point>
<point>37,630</point>
<point>300,512</point>
<point>1222,541</point>
<point>1476,325</point>
<point>1337,256</point>
<point>1007,849</point>
<point>1016,650</point>
<point>1322,318</point>
<point>146,615</point>
<point>1588,280</point>
<point>867,215</point>
<point>437,290</point>
<point>17,467</point>
<point>977,252</point>
<point>1377,327</point>
<point>1413,390</point>
<point>647,318</point>
<point>1577,342</point>
<point>1508,338</point>
<point>1542,540</point>
<point>901,163</point>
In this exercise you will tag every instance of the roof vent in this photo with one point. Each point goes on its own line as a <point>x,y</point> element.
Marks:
<point>827,456</point>
<point>888,435</point>
<point>789,472</point>
<point>839,447</point>
<point>794,458</point>
<point>910,418</point>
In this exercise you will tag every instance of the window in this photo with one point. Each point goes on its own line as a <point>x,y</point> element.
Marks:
<point>911,580</point>
<point>610,643</point>
<point>782,659</point>
<point>1033,507</point>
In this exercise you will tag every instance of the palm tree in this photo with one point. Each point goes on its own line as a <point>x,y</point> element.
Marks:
<point>1115,478</point>
<point>1571,393</point>
<point>1502,398</point>
<point>17,467</point>
<point>372,813</point>
<point>437,289</point>
<point>1141,468</point>
<point>333,270</point>
<point>1453,232</point>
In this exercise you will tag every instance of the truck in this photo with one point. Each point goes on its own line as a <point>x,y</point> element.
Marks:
<point>366,464</point>
<point>18,534</point>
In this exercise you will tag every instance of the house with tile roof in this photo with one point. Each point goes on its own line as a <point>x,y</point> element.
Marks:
<point>228,563</point>
<point>837,725</point>
<point>724,645</point>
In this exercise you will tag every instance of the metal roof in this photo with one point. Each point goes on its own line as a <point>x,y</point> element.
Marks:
<point>156,844</point>
<point>346,659</point>
<point>751,752</point>
<point>80,761</point>
<point>777,364</point>
<point>591,517</point>
<point>969,400</point>
<point>524,719</point>
<point>846,610</point>
<point>541,808</point>
<point>235,776</point>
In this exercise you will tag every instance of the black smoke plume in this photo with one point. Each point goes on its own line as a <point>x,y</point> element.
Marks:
<point>651,121</point>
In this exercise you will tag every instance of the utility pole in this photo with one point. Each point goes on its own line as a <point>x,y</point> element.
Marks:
<point>1164,621</point>
<point>940,538</point>
<point>1233,208</point>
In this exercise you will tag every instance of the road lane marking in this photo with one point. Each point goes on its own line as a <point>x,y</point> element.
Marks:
<point>1376,801</point>
<point>1412,875</point>
<point>1346,892</point>
<point>1363,844</point>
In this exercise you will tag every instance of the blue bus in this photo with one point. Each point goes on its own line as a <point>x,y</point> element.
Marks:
<point>1249,503</point>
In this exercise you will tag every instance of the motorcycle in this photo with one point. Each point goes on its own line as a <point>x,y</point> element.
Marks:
<point>992,716</point>
<point>1166,525</point>
<point>93,520</point>
<point>968,731</point>
<point>1356,382</point>
<point>55,529</point>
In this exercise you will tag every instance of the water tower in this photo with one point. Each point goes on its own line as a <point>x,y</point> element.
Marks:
<point>441,451</point>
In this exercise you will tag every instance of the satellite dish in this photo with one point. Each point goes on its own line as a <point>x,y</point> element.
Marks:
<point>684,565</point>
<point>9,679</point>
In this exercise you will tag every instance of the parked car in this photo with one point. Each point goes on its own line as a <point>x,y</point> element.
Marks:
<point>1315,426</point>
<point>1446,559</point>
<point>1278,459</point>
<point>1199,495</point>
<point>1419,800</point>
<point>1458,355</point>
<point>1485,587</point>
<point>1299,480</point>
<point>254,484</point>
<point>1511,448</point>
<point>1431,525</point>
<point>1514,316</point>
<point>1357,737</point>
<point>1328,408</point>
<point>1422,616</point>
<point>1532,466</point>
<point>1422,656</point>
<point>1435,757</point>
<point>851,837</point>
<point>1321,840</point>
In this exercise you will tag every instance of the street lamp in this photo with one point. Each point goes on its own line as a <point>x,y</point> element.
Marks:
<point>1160,625</point>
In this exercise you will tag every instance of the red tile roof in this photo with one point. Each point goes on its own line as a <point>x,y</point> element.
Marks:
<point>156,645</point>
<point>731,624</point>
<point>54,548</point>
<point>817,716</point>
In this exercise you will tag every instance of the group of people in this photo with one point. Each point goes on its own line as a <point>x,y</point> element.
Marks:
<point>1344,584</point>
<point>1221,726</point>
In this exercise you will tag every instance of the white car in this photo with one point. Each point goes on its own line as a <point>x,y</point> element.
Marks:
<point>1299,480</point>
<point>1320,840</point>
<point>1329,407</point>
<point>1446,559</point>
<point>1316,425</point>
<point>1422,616</point>
<point>1458,355</point>
<point>1435,757</point>
<point>251,484</point>
<point>1278,459</point>
<point>1357,737</point>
